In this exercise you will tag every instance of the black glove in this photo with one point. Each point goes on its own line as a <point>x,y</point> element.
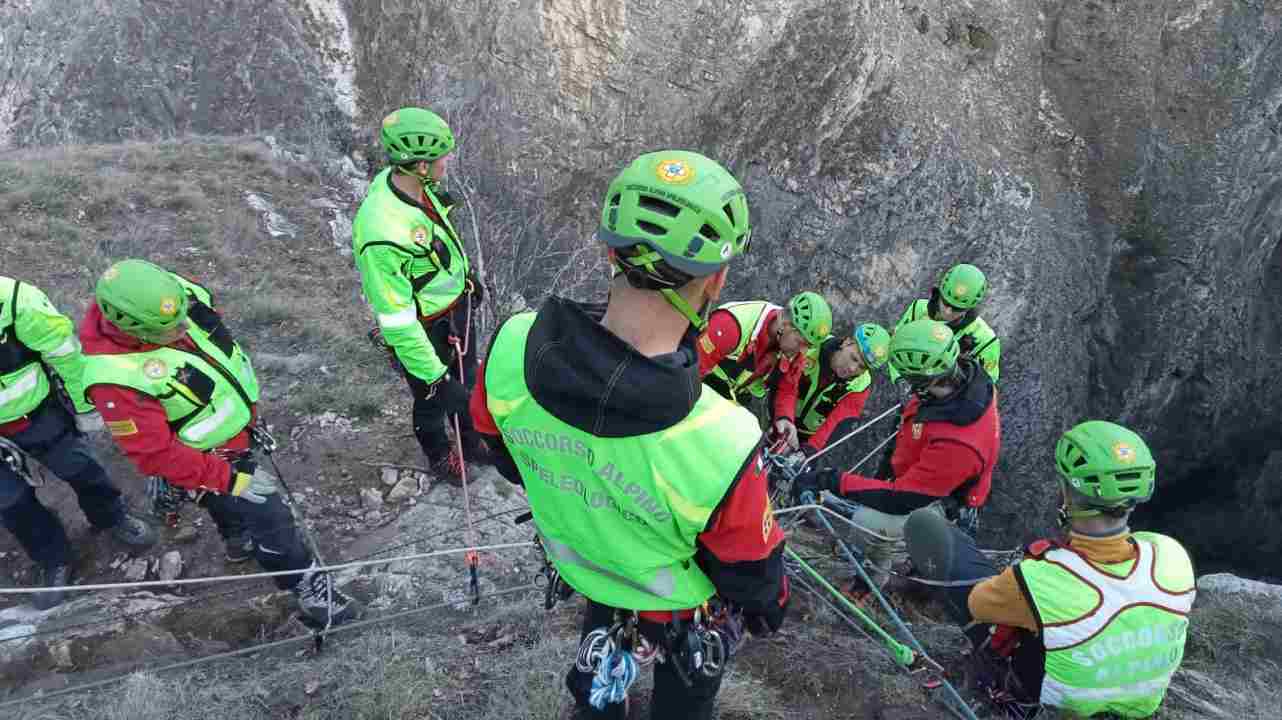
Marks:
<point>966,343</point>
<point>812,481</point>
<point>451,395</point>
<point>768,622</point>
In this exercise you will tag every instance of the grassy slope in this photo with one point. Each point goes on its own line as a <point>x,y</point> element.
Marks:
<point>67,213</point>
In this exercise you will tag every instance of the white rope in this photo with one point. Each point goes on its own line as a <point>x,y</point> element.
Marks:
<point>832,445</point>
<point>251,576</point>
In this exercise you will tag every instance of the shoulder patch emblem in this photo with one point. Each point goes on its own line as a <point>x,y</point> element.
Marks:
<point>155,369</point>
<point>122,428</point>
<point>767,522</point>
<point>706,344</point>
<point>419,234</point>
<point>917,431</point>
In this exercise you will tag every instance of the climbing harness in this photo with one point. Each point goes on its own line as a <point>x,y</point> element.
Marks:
<point>17,460</point>
<point>460,349</point>
<point>700,646</point>
<point>555,589</point>
<point>165,499</point>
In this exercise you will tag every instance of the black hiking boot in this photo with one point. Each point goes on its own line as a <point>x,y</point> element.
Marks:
<point>134,532</point>
<point>322,603</point>
<point>56,576</point>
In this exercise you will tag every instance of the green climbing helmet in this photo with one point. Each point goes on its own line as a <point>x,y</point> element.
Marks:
<point>141,299</point>
<point>924,349</point>
<point>685,210</point>
<point>963,286</point>
<point>810,314</point>
<point>874,344</point>
<point>413,134</point>
<point>1105,465</point>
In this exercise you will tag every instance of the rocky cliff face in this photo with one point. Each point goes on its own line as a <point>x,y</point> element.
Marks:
<point>1113,166</point>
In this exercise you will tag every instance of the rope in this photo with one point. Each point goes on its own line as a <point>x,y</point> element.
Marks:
<point>952,693</point>
<point>874,451</point>
<point>849,435</point>
<point>43,696</point>
<point>233,578</point>
<point>613,678</point>
<point>210,597</point>
<point>460,349</point>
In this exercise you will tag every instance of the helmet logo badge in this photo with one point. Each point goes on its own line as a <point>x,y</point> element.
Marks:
<point>392,119</point>
<point>940,333</point>
<point>879,352</point>
<point>1124,453</point>
<point>155,369</point>
<point>111,273</point>
<point>674,172</point>
<point>168,307</point>
<point>822,329</point>
<point>961,290</point>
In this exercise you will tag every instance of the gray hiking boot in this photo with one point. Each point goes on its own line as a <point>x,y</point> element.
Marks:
<point>240,547</point>
<point>134,531</point>
<point>56,576</point>
<point>322,603</point>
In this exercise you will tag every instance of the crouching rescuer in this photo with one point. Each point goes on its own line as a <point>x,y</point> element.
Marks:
<point>649,492</point>
<point>945,451</point>
<point>1092,622</point>
<point>179,396</point>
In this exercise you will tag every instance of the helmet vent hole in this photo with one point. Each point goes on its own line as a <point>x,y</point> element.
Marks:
<point>729,211</point>
<point>710,233</point>
<point>659,206</point>
<point>651,228</point>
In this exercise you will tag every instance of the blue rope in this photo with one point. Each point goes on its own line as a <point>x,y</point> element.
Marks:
<point>613,677</point>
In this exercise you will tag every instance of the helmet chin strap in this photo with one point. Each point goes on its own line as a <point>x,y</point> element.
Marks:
<point>698,319</point>
<point>427,181</point>
<point>1065,516</point>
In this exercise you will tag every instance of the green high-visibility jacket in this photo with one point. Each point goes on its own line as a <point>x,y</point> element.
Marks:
<point>33,335</point>
<point>815,401</point>
<point>619,516</point>
<point>208,396</point>
<point>735,369</point>
<point>410,266</point>
<point>1114,634</point>
<point>987,346</point>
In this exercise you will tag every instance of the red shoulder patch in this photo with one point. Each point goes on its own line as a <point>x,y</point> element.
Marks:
<point>1038,548</point>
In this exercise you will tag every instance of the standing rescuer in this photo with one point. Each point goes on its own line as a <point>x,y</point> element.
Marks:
<point>955,301</point>
<point>750,345</point>
<point>945,451</point>
<point>180,398</point>
<point>417,279</point>
<point>836,385</point>
<point>34,339</point>
<point>1094,622</point>
<point>655,502</point>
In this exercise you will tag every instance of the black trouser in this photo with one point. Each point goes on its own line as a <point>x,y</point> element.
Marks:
<point>671,699</point>
<point>278,541</point>
<point>429,416</point>
<point>52,439</point>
